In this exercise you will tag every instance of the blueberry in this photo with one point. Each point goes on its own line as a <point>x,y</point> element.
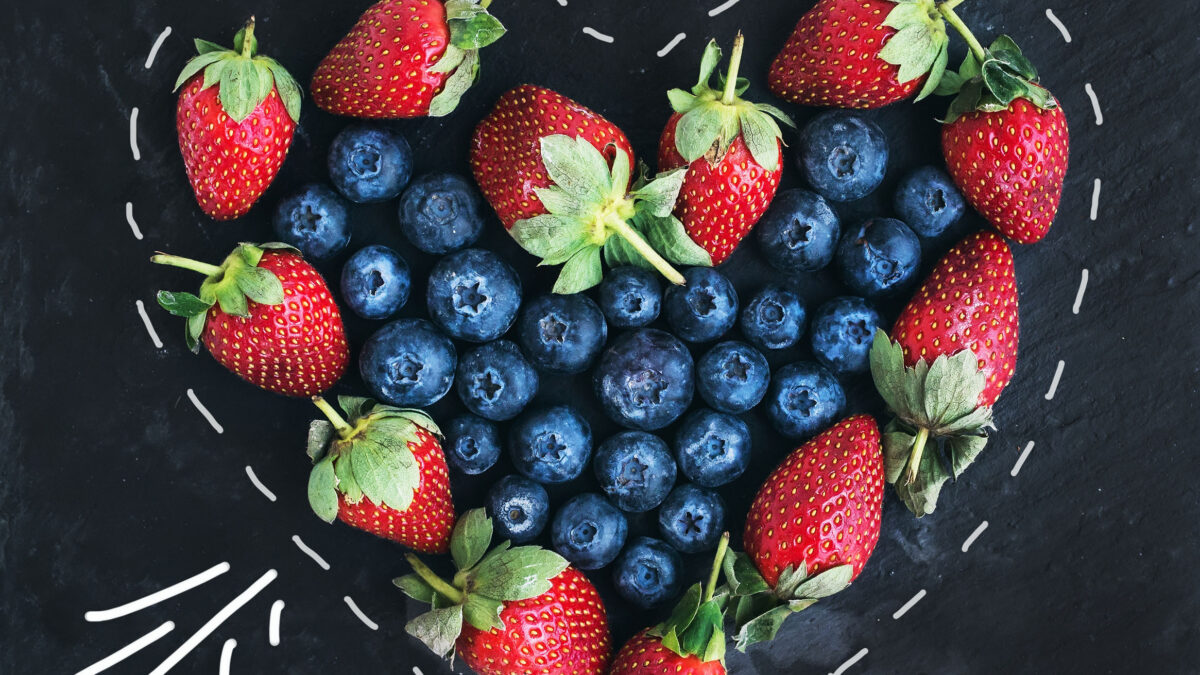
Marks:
<point>732,377</point>
<point>879,257</point>
<point>704,308</point>
<point>551,445</point>
<point>799,232</point>
<point>843,155</point>
<point>630,297</point>
<point>472,444</point>
<point>645,380</point>
<point>712,448</point>
<point>804,399</point>
<point>495,381</point>
<point>635,469</point>
<point>843,330</point>
<point>519,507</point>
<point>774,318</point>
<point>928,201</point>
<point>647,573</point>
<point>375,282</point>
<point>589,531</point>
<point>692,519</point>
<point>408,363</point>
<point>441,212</point>
<point>562,334</point>
<point>473,295</point>
<point>369,163</point>
<point>313,219</point>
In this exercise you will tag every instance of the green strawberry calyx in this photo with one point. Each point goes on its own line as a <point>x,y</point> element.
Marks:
<point>712,119</point>
<point>920,45</point>
<point>938,427</point>
<point>483,582</point>
<point>471,28</point>
<point>244,78</point>
<point>696,625</point>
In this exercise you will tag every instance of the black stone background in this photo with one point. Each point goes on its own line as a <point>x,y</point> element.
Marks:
<point>113,486</point>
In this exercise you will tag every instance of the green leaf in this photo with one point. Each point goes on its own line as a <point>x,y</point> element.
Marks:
<point>239,82</point>
<point>970,68</point>
<point>354,406</point>
<point>1040,97</point>
<point>762,628</point>
<point>204,46</point>
<point>1005,50</point>
<point>545,234</point>
<point>914,48</point>
<point>708,64</point>
<point>182,304</point>
<point>347,484</point>
<point>415,587</point>
<point>778,114</point>
<point>963,450</point>
<point>887,370</point>
<point>742,575</point>
<point>897,448</point>
<point>581,272</point>
<point>462,9</point>
<point>801,604</point>
<point>682,101</point>
<point>231,299</point>
<point>517,574</point>
<point>322,490</point>
<point>196,64</point>
<point>715,649</point>
<point>471,538</point>
<point>973,423</point>
<point>564,254</point>
<point>239,38</point>
<point>320,433</point>
<point>289,89</point>
<point>695,639</point>
<point>438,629</point>
<point>747,607</point>
<point>456,85</point>
<point>936,72</point>
<point>698,130</point>
<point>193,330</point>
<point>950,84</point>
<point>761,136</point>
<point>659,195</point>
<point>477,32</point>
<point>790,580</point>
<point>213,73</point>
<point>451,59</point>
<point>920,496</point>
<point>619,253</point>
<point>826,583</point>
<point>260,285</point>
<point>559,203</point>
<point>577,167</point>
<point>906,14</point>
<point>483,612</point>
<point>952,387</point>
<point>1002,84</point>
<point>619,174</point>
<point>685,610</point>
<point>384,477</point>
<point>671,240</point>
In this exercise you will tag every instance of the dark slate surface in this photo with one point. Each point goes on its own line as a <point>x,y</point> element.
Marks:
<point>113,486</point>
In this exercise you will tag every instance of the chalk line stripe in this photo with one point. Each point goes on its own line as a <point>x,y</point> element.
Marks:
<point>1054,383</point>
<point>1021,460</point>
<point>417,671</point>
<point>215,622</point>
<point>162,37</point>
<point>204,411</point>
<point>1059,25</point>
<point>562,3</point>
<point>1083,281</point>
<point>227,655</point>
<point>909,605</point>
<point>974,535</point>
<point>358,612</point>
<point>671,45</point>
<point>141,308</point>
<point>273,627</point>
<point>1095,103</point>
<point>851,661</point>
<point>128,650</point>
<point>157,597</point>
<point>258,484</point>
<point>309,552</point>
<point>137,154</point>
<point>1096,199</point>
<point>588,30</point>
<point>721,8</point>
<point>137,231</point>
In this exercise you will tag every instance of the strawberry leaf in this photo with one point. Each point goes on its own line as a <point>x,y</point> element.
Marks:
<point>438,629</point>
<point>761,135</point>
<point>260,285</point>
<point>415,587</point>
<point>762,628</point>
<point>659,195</point>
<point>517,573</point>
<point>354,406</point>
<point>776,113</point>
<point>581,272</point>
<point>826,583</point>
<point>1005,50</point>
<point>320,433</point>
<point>451,59</point>
<point>695,639</point>
<point>483,612</point>
<point>289,89</point>
<point>934,82</point>
<point>952,388</point>
<point>742,575</point>
<point>476,32</point>
<point>550,235</point>
<point>322,490</point>
<point>456,85</point>
<point>668,237</point>
<point>193,331</point>
<point>921,495</point>
<point>681,101</point>
<point>205,46</point>
<point>897,446</point>
<point>619,253</point>
<point>576,166</point>
<point>558,202</point>
<point>182,303</point>
<point>963,450</point>
<point>697,131</point>
<point>708,64</point>
<point>471,538</point>
<point>198,63</point>
<point>231,299</point>
<point>1002,84</point>
<point>347,484</point>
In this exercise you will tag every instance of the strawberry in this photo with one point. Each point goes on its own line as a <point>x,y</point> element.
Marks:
<point>406,58</point>
<point>382,471</point>
<point>861,54</point>
<point>732,151</point>
<point>235,119</point>
<point>952,352</point>
<point>558,176</point>
<point>810,529</point>
<point>509,611</point>
<point>267,316</point>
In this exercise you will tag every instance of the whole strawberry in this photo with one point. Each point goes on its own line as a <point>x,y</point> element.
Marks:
<point>953,351</point>
<point>732,151</point>
<point>558,176</point>
<point>267,316</point>
<point>406,58</point>
<point>235,119</point>
<point>861,54</point>
<point>509,611</point>
<point>381,469</point>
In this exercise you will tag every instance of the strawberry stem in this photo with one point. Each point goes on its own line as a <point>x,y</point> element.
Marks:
<point>711,587</point>
<point>248,39</point>
<point>735,62</point>
<point>186,263</point>
<point>947,10</point>
<point>951,4</point>
<point>622,228</point>
<point>343,427</point>
<point>918,449</point>
<point>430,577</point>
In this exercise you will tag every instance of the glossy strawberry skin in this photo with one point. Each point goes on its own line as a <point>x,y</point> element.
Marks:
<point>506,154</point>
<point>968,301</point>
<point>720,202</point>
<point>822,505</point>
<point>230,164</point>
<point>832,58</point>
<point>297,348</point>
<point>1010,165</point>
<point>563,631</point>
<point>645,654</point>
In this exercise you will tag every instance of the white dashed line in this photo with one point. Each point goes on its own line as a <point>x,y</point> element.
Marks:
<point>1021,460</point>
<point>909,605</point>
<point>850,661</point>
<point>417,671</point>
<point>162,37</point>
<point>1096,199</point>
<point>141,308</point>
<point>671,45</point>
<point>717,10</point>
<point>258,484</point>
<point>273,625</point>
<point>158,596</point>
<point>227,655</point>
<point>358,612</point>
<point>562,3</point>
<point>128,650</point>
<point>1054,383</point>
<point>204,411</point>
<point>1095,103</point>
<point>1059,25</point>
<point>974,535</point>
<point>137,231</point>
<point>588,30</point>
<point>309,552</point>
<point>137,154</point>
<point>1083,281</point>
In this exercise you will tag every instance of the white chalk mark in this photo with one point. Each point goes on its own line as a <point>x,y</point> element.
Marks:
<point>128,650</point>
<point>1059,25</point>
<point>162,37</point>
<point>562,3</point>
<point>204,411</point>
<point>1095,103</point>
<point>1021,460</point>
<point>1096,199</point>
<point>721,8</point>
<point>417,671</point>
<point>215,622</point>
<point>137,231</point>
<point>258,484</point>
<point>850,661</point>
<point>141,308</point>
<point>1054,382</point>
<point>974,535</point>
<point>1083,281</point>
<point>227,655</point>
<point>137,154</point>
<point>588,30</point>
<point>671,45</point>
<point>358,612</point>
<point>157,597</point>
<point>273,626</point>
<point>909,605</point>
<point>309,552</point>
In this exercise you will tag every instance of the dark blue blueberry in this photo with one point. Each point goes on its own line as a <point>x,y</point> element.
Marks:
<point>473,295</point>
<point>408,363</point>
<point>589,531</point>
<point>519,507</point>
<point>879,257</point>
<point>635,469</point>
<point>704,308</point>
<point>375,282</point>
<point>562,334</point>
<point>645,380</point>
<point>369,163</point>
<point>630,297</point>
<point>495,381</point>
<point>843,155</point>
<point>804,399</point>
<point>647,573</point>
<point>712,448</point>
<point>843,329</point>
<point>774,318</point>
<point>551,445</point>
<point>928,201</point>
<point>441,212</point>
<point>313,219</point>
<point>732,377</point>
<point>692,519</point>
<point>472,444</point>
<point>799,232</point>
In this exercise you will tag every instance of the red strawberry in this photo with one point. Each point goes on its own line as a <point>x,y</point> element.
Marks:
<point>733,154</point>
<point>406,58</point>
<point>267,316</point>
<point>861,54</point>
<point>955,350</point>
<point>509,611</point>
<point>382,472</point>
<point>235,119</point>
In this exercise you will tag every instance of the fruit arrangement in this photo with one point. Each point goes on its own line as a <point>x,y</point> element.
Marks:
<point>679,360</point>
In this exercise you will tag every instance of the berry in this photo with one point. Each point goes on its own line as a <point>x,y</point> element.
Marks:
<point>495,381</point>
<point>804,399</point>
<point>375,282</point>
<point>692,518</point>
<point>712,448</point>
<point>441,212</point>
<point>408,363</point>
<point>562,334</point>
<point>732,377</point>
<point>635,470</point>
<point>313,219</point>
<point>647,573</point>
<point>880,257</point>
<point>519,507</point>
<point>473,295</point>
<point>842,332</point>
<point>705,308</point>
<point>551,445</point>
<point>369,163</point>
<point>774,318</point>
<point>589,531</point>
<point>630,297</point>
<point>928,201</point>
<point>843,155</point>
<point>799,232</point>
<point>472,444</point>
<point>645,380</point>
